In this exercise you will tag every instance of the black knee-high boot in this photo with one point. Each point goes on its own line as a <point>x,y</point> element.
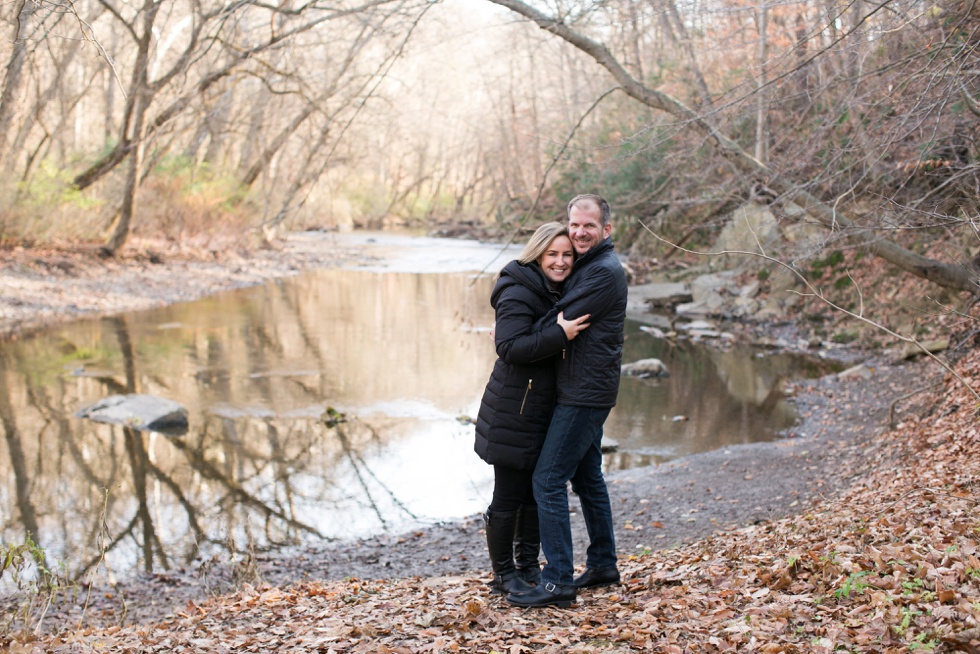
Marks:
<point>527,544</point>
<point>500,543</point>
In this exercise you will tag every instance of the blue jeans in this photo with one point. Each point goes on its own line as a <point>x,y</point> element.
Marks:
<point>572,452</point>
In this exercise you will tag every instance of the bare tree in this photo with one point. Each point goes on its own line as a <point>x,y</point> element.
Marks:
<point>762,103</point>
<point>14,78</point>
<point>680,35</point>
<point>166,58</point>
<point>956,276</point>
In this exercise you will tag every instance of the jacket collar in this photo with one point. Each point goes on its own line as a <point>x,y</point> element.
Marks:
<point>598,250</point>
<point>530,276</point>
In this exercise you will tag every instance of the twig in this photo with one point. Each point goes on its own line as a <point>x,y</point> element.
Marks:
<point>102,541</point>
<point>386,65</point>
<point>348,450</point>
<point>921,490</point>
<point>891,409</point>
<point>357,462</point>
<point>544,177</point>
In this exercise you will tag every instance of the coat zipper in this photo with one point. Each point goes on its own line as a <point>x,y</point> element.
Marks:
<point>525,396</point>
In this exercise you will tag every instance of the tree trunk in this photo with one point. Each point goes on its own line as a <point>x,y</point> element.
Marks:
<point>269,152</point>
<point>802,74</point>
<point>681,36</point>
<point>762,96</point>
<point>304,181</point>
<point>20,469</point>
<point>17,143</point>
<point>135,130</point>
<point>14,77</point>
<point>120,228</point>
<point>634,40</point>
<point>953,276</point>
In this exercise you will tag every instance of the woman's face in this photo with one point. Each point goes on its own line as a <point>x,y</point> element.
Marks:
<point>556,262</point>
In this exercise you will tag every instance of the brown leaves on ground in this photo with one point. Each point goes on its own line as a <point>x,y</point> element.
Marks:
<point>891,566</point>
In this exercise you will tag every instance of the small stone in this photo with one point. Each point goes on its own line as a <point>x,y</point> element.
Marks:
<point>145,412</point>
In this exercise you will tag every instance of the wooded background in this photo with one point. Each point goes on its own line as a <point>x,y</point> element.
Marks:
<point>195,120</point>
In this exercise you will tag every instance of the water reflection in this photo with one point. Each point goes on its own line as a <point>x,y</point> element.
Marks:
<point>712,398</point>
<point>401,355</point>
<point>399,358</point>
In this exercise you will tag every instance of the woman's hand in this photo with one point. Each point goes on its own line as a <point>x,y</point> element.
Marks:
<point>573,327</point>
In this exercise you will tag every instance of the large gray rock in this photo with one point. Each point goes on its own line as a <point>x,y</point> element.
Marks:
<point>645,368</point>
<point>645,300</point>
<point>694,310</point>
<point>912,350</point>
<point>146,412</point>
<point>752,229</point>
<point>656,295</point>
<point>712,295</point>
<point>860,370</point>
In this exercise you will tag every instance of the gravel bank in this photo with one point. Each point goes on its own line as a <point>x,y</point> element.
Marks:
<point>41,288</point>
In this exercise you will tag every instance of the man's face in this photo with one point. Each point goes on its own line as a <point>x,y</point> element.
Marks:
<point>585,228</point>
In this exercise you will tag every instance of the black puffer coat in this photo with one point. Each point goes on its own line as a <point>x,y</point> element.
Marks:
<point>520,396</point>
<point>588,373</point>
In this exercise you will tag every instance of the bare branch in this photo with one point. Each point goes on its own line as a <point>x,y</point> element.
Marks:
<point>971,104</point>
<point>951,276</point>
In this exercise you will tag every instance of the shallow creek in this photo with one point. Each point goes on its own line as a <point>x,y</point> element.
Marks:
<point>334,404</point>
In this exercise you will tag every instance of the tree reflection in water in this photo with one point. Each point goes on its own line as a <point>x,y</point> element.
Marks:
<point>258,469</point>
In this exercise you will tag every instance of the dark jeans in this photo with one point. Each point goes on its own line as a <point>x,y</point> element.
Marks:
<point>511,490</point>
<point>572,452</point>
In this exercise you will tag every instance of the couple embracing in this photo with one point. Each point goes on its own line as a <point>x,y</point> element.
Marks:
<point>560,310</point>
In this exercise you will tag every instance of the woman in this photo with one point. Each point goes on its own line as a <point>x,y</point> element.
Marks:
<point>519,399</point>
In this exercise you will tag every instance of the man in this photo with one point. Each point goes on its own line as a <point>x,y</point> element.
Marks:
<point>588,382</point>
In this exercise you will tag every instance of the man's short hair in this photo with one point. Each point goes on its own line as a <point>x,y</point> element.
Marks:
<point>591,200</point>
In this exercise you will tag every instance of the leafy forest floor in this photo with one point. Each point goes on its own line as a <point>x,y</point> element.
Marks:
<point>859,532</point>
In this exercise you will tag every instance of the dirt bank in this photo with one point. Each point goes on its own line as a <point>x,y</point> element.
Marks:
<point>655,508</point>
<point>44,287</point>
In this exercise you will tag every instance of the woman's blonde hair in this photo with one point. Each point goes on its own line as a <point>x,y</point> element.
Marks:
<point>540,240</point>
